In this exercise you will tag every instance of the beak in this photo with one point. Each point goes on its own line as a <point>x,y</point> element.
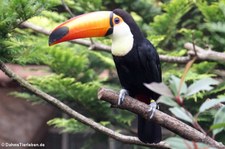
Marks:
<point>95,24</point>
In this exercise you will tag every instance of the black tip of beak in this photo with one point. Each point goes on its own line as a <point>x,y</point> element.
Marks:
<point>58,34</point>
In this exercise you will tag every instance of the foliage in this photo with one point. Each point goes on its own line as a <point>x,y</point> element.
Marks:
<point>175,96</point>
<point>214,17</point>
<point>219,121</point>
<point>68,125</point>
<point>15,12</point>
<point>174,11</point>
<point>65,88</point>
<point>76,71</point>
<point>12,14</point>
<point>176,142</point>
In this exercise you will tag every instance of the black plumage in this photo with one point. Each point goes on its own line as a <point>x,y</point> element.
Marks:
<point>141,65</point>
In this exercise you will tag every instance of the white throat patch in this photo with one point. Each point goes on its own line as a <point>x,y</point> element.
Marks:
<point>122,39</point>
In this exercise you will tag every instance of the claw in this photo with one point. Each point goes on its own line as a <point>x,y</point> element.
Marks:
<point>122,95</point>
<point>152,107</point>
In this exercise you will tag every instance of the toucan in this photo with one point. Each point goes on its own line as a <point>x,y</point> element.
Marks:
<point>136,60</point>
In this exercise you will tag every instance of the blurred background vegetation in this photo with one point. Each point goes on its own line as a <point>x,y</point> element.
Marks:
<point>78,72</point>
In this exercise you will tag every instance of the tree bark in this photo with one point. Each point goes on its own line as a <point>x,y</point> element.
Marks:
<point>81,118</point>
<point>159,117</point>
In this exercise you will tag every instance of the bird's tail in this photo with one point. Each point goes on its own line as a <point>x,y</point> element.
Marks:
<point>148,131</point>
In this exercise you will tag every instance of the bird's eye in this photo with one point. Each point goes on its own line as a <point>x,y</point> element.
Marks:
<point>116,20</point>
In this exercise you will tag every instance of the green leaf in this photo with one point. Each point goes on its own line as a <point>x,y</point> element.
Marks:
<point>175,83</point>
<point>105,123</point>
<point>172,16</point>
<point>160,88</point>
<point>182,114</point>
<point>209,104</point>
<point>217,126</point>
<point>156,39</point>
<point>201,85</point>
<point>179,143</point>
<point>68,125</point>
<point>219,119</point>
<point>167,101</point>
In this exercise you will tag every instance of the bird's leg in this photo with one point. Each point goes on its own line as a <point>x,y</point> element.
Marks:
<point>123,93</point>
<point>152,107</point>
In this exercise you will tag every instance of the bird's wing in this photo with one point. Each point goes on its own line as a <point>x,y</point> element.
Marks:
<point>149,59</point>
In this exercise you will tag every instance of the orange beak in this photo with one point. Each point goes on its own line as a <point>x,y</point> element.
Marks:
<point>95,24</point>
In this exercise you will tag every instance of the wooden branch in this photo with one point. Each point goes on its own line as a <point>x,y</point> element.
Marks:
<point>205,54</point>
<point>220,72</point>
<point>175,59</point>
<point>102,47</point>
<point>202,54</point>
<point>159,117</point>
<point>87,121</point>
<point>67,8</point>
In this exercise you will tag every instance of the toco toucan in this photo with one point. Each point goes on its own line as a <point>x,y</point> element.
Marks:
<point>136,59</point>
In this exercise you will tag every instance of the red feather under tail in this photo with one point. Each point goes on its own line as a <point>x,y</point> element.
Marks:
<point>143,98</point>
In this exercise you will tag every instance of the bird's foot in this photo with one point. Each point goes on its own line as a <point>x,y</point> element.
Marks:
<point>123,93</point>
<point>152,107</point>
